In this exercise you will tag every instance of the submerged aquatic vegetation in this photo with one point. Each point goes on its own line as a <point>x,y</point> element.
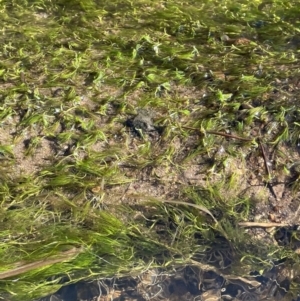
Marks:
<point>221,80</point>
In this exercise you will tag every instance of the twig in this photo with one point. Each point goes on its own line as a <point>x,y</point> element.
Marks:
<point>219,134</point>
<point>229,136</point>
<point>40,264</point>
<point>267,169</point>
<point>261,225</point>
<point>265,159</point>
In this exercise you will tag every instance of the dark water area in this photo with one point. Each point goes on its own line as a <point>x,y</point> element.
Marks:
<point>186,283</point>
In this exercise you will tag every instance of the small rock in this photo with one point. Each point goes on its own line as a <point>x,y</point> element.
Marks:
<point>143,122</point>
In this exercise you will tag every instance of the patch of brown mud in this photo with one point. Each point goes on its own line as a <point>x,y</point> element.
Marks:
<point>25,164</point>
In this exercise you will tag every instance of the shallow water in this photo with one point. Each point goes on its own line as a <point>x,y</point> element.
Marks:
<point>217,56</point>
